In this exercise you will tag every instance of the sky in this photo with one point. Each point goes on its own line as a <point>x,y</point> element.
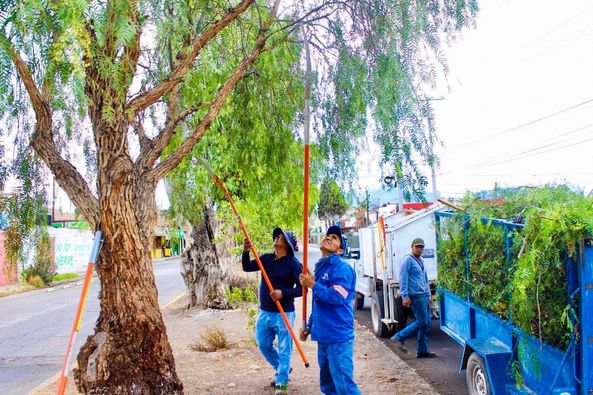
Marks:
<point>517,106</point>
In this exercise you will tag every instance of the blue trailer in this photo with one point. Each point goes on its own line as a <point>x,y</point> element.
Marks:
<point>495,351</point>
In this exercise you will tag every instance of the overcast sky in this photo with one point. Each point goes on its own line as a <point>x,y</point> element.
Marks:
<point>518,109</point>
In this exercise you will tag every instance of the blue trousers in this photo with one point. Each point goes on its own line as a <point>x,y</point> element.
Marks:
<point>336,368</point>
<point>268,326</point>
<point>421,327</point>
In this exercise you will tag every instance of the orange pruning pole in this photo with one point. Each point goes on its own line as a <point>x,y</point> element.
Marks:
<point>259,264</point>
<point>306,175</point>
<point>78,318</point>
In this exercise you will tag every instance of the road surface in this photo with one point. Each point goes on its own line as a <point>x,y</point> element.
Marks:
<point>35,327</point>
<point>440,372</point>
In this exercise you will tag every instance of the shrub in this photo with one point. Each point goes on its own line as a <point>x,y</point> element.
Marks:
<point>242,293</point>
<point>214,339</point>
<point>35,281</point>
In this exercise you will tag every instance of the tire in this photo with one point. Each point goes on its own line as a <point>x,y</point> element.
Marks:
<point>401,314</point>
<point>476,376</point>
<point>379,328</point>
<point>359,301</point>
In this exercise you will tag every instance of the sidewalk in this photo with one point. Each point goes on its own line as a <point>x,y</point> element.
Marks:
<point>242,370</point>
<point>18,287</point>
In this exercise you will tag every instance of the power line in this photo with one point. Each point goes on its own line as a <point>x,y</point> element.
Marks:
<point>517,174</point>
<point>575,36</point>
<point>537,153</point>
<point>521,126</point>
<point>575,16</point>
<point>549,142</point>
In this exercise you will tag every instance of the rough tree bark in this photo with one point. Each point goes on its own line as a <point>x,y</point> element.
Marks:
<point>201,266</point>
<point>129,353</point>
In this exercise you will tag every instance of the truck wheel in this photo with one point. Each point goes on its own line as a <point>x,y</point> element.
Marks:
<point>359,301</point>
<point>380,329</point>
<point>401,314</point>
<point>477,376</point>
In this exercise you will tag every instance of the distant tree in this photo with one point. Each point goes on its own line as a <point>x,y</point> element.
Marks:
<point>332,203</point>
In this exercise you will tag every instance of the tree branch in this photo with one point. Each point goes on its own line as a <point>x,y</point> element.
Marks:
<point>171,161</point>
<point>184,62</point>
<point>151,155</point>
<point>69,179</point>
<point>24,72</point>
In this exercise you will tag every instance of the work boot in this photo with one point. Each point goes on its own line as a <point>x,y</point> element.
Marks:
<point>273,382</point>
<point>401,344</point>
<point>281,390</point>
<point>426,355</point>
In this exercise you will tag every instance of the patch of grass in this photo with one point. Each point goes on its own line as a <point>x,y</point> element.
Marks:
<point>213,339</point>
<point>64,276</point>
<point>35,281</point>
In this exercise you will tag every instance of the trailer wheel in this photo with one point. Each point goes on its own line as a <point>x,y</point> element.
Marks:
<point>380,329</point>
<point>359,301</point>
<point>401,314</point>
<point>477,376</point>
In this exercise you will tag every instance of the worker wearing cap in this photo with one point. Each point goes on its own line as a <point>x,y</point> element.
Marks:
<point>331,322</point>
<point>413,285</point>
<point>283,271</point>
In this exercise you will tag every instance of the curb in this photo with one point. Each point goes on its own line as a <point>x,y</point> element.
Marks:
<point>21,288</point>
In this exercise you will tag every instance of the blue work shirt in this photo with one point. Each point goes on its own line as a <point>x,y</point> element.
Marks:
<point>413,280</point>
<point>332,316</point>
<point>283,274</point>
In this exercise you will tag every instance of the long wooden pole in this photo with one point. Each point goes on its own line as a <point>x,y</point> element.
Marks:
<point>79,312</point>
<point>307,122</point>
<point>220,183</point>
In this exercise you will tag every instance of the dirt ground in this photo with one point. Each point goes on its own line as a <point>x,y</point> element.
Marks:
<point>241,369</point>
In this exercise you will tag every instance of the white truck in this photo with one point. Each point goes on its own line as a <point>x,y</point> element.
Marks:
<point>378,265</point>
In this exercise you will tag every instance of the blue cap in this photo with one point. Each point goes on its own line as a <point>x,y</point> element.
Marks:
<point>336,230</point>
<point>288,236</point>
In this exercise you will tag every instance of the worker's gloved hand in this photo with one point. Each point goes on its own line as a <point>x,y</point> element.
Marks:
<point>406,302</point>
<point>304,334</point>
<point>276,295</point>
<point>246,245</point>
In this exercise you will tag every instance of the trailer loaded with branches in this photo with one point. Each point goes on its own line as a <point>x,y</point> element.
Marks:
<point>516,291</point>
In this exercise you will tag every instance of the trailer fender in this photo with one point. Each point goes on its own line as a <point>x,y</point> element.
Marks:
<point>467,351</point>
<point>496,357</point>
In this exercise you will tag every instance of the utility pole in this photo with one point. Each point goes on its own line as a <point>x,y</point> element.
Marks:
<point>435,195</point>
<point>53,201</point>
<point>400,195</point>
<point>368,215</point>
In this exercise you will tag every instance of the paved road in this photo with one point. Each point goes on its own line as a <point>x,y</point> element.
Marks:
<point>35,327</point>
<point>440,372</point>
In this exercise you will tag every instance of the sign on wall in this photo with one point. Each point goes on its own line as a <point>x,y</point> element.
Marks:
<point>72,249</point>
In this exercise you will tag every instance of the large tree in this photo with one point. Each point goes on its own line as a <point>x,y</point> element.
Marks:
<point>73,66</point>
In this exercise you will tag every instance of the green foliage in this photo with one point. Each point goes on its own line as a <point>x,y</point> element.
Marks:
<point>246,300</point>
<point>251,144</point>
<point>451,255</point>
<point>43,267</point>
<point>388,55</point>
<point>556,220</point>
<point>332,203</point>
<point>25,207</point>
<point>64,276</point>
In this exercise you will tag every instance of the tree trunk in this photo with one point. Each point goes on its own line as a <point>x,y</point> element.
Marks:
<point>201,267</point>
<point>129,353</point>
